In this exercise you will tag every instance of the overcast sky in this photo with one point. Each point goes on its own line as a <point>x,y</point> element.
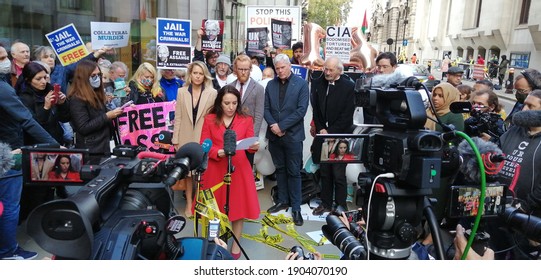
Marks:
<point>356,14</point>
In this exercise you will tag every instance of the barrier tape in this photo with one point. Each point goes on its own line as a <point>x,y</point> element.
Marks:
<point>207,207</point>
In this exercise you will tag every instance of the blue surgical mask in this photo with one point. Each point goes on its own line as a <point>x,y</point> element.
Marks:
<point>95,82</point>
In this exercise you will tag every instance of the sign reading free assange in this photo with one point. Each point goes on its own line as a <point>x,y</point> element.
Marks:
<point>67,44</point>
<point>109,34</point>
<point>142,124</point>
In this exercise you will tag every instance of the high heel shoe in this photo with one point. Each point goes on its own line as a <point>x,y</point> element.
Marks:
<point>236,256</point>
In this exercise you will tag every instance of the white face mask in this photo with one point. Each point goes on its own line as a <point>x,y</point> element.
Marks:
<point>5,66</point>
<point>95,82</point>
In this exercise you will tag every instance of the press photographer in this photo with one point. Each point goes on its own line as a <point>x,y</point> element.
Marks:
<point>484,122</point>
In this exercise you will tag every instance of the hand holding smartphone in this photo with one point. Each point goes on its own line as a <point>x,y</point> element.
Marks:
<point>126,104</point>
<point>56,93</point>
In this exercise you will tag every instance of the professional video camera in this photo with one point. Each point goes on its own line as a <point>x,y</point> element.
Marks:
<point>409,160</point>
<point>121,208</point>
<point>479,121</point>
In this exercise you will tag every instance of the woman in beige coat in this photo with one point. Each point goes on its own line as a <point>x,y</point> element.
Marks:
<point>194,100</point>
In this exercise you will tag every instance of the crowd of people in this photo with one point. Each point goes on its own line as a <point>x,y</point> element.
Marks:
<point>248,96</point>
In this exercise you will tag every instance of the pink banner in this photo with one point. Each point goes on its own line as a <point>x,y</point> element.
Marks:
<point>142,124</point>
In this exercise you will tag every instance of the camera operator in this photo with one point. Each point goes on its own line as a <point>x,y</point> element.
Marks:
<point>460,242</point>
<point>525,82</point>
<point>521,144</point>
<point>484,122</point>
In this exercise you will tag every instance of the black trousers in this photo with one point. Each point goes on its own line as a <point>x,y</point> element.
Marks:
<point>333,182</point>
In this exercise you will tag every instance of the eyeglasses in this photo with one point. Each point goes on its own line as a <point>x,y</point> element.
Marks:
<point>95,75</point>
<point>521,91</point>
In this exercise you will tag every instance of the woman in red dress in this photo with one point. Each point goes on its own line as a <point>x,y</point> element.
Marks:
<point>342,151</point>
<point>63,170</point>
<point>243,203</point>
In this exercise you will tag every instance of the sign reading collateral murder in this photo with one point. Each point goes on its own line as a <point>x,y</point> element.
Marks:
<point>173,43</point>
<point>67,44</point>
<point>281,34</point>
<point>338,42</point>
<point>141,125</point>
<point>109,34</point>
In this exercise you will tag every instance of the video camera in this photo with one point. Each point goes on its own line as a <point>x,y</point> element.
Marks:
<point>479,122</point>
<point>409,157</point>
<point>120,210</point>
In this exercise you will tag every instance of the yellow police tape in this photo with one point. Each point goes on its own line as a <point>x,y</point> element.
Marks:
<point>208,209</point>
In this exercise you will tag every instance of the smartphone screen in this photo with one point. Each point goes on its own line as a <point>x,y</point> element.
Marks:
<point>464,201</point>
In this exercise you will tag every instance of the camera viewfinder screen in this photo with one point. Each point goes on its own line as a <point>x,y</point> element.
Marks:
<point>55,167</point>
<point>341,148</point>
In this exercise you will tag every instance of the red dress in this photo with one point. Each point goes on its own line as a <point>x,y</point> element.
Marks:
<point>70,176</point>
<point>243,201</point>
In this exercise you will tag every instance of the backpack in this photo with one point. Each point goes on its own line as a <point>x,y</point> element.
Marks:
<point>310,187</point>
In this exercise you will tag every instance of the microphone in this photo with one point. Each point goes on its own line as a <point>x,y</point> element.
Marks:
<point>164,140</point>
<point>530,118</point>
<point>175,225</point>
<point>188,157</point>
<point>6,159</point>
<point>386,80</point>
<point>470,168</point>
<point>459,107</point>
<point>206,145</point>
<point>230,142</point>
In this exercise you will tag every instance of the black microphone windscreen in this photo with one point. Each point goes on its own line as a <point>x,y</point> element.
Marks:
<point>193,151</point>
<point>470,167</point>
<point>165,137</point>
<point>529,118</point>
<point>460,107</point>
<point>230,142</point>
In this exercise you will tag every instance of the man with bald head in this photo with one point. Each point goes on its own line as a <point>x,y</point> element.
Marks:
<point>21,56</point>
<point>333,104</point>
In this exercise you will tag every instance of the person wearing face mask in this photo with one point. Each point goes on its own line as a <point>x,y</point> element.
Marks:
<point>144,86</point>
<point>118,72</point>
<point>528,80</point>
<point>90,119</point>
<point>5,66</point>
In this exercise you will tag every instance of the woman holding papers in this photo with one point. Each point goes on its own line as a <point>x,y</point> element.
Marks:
<point>227,113</point>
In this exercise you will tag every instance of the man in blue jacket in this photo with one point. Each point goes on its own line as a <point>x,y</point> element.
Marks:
<point>286,102</point>
<point>17,120</point>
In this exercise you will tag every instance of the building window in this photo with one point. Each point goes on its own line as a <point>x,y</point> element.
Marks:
<point>524,12</point>
<point>520,60</point>
<point>472,13</point>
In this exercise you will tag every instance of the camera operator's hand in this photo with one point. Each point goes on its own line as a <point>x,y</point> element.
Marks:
<point>485,136</point>
<point>294,256</point>
<point>220,242</point>
<point>460,244</point>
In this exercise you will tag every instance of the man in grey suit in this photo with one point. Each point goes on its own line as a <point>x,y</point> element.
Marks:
<point>286,102</point>
<point>252,93</point>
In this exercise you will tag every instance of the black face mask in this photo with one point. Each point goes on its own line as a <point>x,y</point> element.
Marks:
<point>520,97</point>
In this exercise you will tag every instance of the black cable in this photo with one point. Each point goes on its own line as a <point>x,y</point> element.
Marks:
<point>434,228</point>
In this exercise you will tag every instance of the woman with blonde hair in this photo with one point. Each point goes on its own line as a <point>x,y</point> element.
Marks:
<point>145,86</point>
<point>194,100</point>
<point>442,96</point>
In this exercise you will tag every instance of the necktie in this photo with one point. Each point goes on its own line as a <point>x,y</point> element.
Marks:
<point>241,85</point>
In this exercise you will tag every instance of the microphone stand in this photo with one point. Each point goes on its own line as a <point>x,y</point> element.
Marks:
<point>227,181</point>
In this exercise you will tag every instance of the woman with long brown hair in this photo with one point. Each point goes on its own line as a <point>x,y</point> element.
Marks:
<point>91,121</point>
<point>194,100</point>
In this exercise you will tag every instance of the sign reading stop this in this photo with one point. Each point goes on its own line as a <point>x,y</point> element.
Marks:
<point>260,16</point>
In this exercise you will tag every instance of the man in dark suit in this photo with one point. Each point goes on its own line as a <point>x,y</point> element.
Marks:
<point>252,93</point>
<point>336,89</point>
<point>286,102</point>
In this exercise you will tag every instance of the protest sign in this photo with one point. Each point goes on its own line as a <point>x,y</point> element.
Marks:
<point>141,125</point>
<point>281,34</point>
<point>338,42</point>
<point>67,44</point>
<point>109,34</point>
<point>212,40</point>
